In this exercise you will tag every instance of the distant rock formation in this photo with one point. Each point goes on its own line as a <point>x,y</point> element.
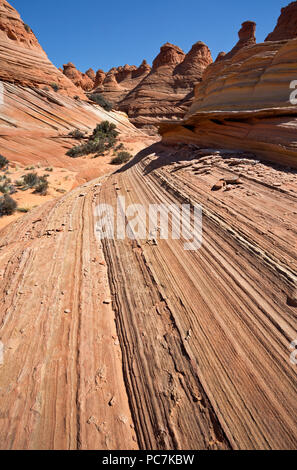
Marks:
<point>118,82</point>
<point>286,27</point>
<point>81,80</point>
<point>169,55</point>
<point>99,78</point>
<point>246,38</point>
<point>149,94</point>
<point>243,100</point>
<point>165,92</point>
<point>91,74</point>
<point>22,59</point>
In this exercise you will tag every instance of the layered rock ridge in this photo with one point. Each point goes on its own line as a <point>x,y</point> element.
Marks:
<point>38,109</point>
<point>22,59</point>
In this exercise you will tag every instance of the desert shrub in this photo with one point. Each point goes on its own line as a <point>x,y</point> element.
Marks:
<point>4,189</point>
<point>23,209</point>
<point>75,152</point>
<point>99,99</point>
<point>86,149</point>
<point>49,169</point>
<point>27,28</point>
<point>7,205</point>
<point>42,186</point>
<point>106,129</point>
<point>7,188</point>
<point>122,157</point>
<point>120,147</point>
<point>31,179</point>
<point>55,86</point>
<point>77,134</point>
<point>5,179</point>
<point>103,138</point>
<point>3,162</point>
<point>77,98</point>
<point>106,132</point>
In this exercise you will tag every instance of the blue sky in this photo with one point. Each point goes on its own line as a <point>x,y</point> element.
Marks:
<point>104,34</point>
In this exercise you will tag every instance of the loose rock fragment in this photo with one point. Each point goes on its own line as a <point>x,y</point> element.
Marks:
<point>219,185</point>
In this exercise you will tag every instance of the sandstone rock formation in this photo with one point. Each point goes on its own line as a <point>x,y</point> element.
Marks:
<point>118,82</point>
<point>150,94</point>
<point>91,74</point>
<point>85,81</point>
<point>243,101</point>
<point>125,343</point>
<point>246,38</point>
<point>162,94</point>
<point>169,55</point>
<point>286,27</point>
<point>99,78</point>
<point>22,60</point>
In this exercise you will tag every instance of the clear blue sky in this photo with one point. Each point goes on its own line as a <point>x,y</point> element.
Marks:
<point>108,33</point>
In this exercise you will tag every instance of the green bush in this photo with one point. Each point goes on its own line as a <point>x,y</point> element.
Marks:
<point>55,86</point>
<point>106,129</point>
<point>4,189</point>
<point>103,138</point>
<point>27,28</point>
<point>86,149</point>
<point>77,134</point>
<point>31,179</point>
<point>122,157</point>
<point>7,205</point>
<point>3,162</point>
<point>42,186</point>
<point>120,147</point>
<point>99,99</point>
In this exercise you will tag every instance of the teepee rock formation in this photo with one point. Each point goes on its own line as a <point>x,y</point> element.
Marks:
<point>162,94</point>
<point>119,81</point>
<point>81,80</point>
